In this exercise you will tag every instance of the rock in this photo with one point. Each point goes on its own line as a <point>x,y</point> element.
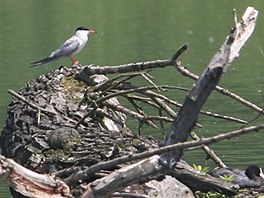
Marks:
<point>168,187</point>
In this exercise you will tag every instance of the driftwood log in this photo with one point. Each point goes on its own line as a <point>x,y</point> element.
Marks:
<point>69,128</point>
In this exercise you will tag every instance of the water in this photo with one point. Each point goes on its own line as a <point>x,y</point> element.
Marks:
<point>135,30</point>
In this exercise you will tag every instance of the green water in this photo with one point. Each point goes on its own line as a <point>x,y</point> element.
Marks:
<point>136,30</point>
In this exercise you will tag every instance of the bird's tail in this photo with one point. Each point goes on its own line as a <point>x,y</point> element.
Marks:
<point>43,61</point>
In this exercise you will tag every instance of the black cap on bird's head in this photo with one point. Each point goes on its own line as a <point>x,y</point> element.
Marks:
<point>82,28</point>
<point>87,29</point>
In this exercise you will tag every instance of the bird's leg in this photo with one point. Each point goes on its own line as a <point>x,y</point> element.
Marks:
<point>74,62</point>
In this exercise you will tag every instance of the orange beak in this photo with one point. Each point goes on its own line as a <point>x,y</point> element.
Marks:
<point>92,32</point>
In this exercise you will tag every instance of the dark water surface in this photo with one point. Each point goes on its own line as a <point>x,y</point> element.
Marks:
<point>136,30</point>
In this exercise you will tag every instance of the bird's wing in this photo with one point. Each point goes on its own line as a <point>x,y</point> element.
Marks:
<point>67,48</point>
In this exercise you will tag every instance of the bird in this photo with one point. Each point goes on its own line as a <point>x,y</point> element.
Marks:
<point>69,48</point>
<point>251,178</point>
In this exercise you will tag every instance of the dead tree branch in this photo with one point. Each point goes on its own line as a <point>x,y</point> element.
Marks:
<point>188,115</point>
<point>30,183</point>
<point>183,70</point>
<point>132,67</point>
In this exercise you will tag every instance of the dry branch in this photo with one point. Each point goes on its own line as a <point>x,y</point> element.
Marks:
<point>209,152</point>
<point>188,115</point>
<point>132,67</point>
<point>184,71</point>
<point>30,183</point>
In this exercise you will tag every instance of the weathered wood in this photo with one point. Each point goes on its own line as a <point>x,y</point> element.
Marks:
<point>131,67</point>
<point>135,173</point>
<point>188,115</point>
<point>152,168</point>
<point>201,181</point>
<point>33,138</point>
<point>30,183</point>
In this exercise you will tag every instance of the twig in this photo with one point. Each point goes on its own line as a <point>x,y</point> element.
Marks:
<point>208,113</point>
<point>29,103</point>
<point>224,117</point>
<point>159,118</point>
<point>129,112</point>
<point>101,86</point>
<point>103,113</point>
<point>180,51</point>
<point>105,98</point>
<point>122,92</point>
<point>162,104</point>
<point>209,151</point>
<point>150,81</point>
<point>129,195</point>
<point>35,106</point>
<point>152,95</point>
<point>221,90</point>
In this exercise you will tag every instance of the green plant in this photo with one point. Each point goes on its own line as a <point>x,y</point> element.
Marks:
<point>201,169</point>
<point>227,178</point>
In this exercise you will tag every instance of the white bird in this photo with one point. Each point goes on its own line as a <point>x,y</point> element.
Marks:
<point>69,48</point>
